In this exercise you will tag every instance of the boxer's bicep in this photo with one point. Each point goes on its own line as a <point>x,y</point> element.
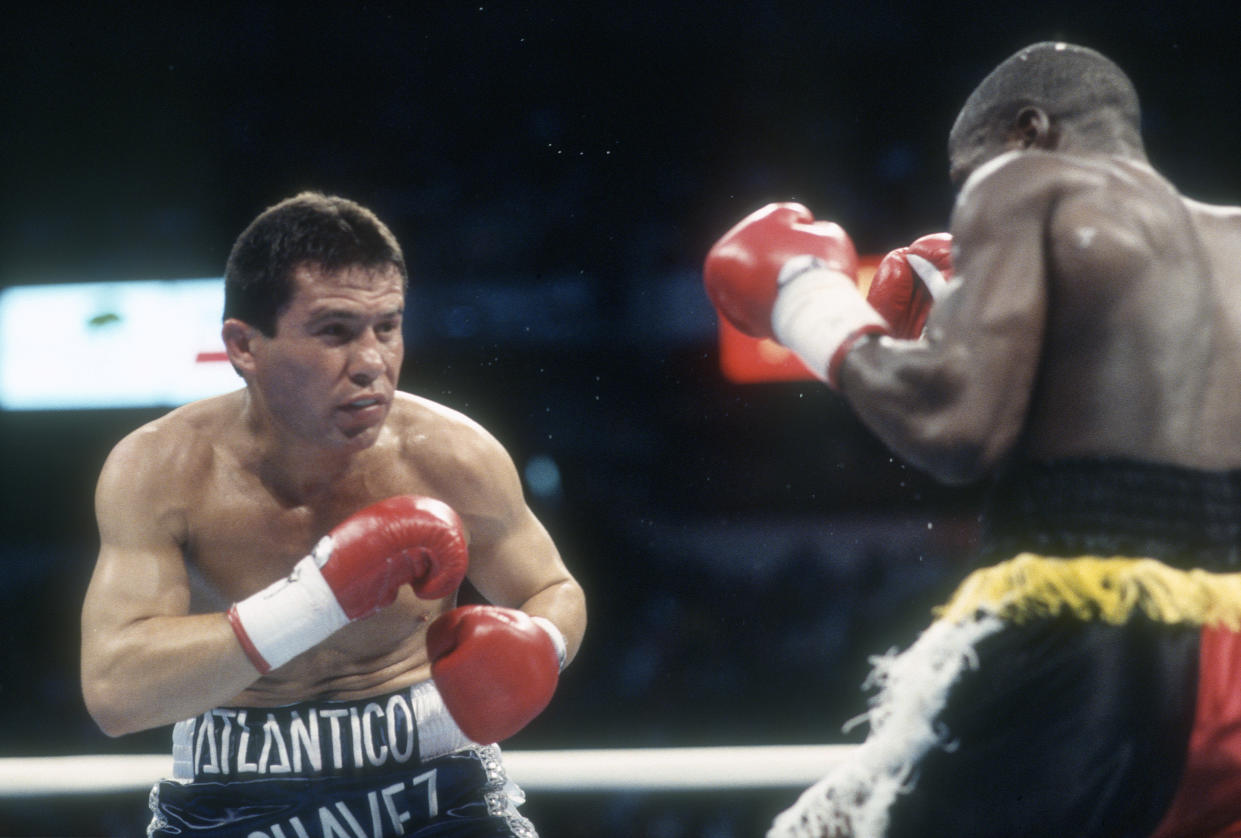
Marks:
<point>514,560</point>
<point>140,570</point>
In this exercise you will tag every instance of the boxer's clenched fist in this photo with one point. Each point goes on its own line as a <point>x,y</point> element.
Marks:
<point>496,668</point>
<point>908,282</point>
<point>354,571</point>
<point>779,273</point>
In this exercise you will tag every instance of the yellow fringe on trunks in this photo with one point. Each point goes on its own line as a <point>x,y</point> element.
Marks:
<point>1093,588</point>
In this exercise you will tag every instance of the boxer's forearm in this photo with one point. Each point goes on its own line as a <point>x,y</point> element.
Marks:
<point>565,605</point>
<point>160,670</point>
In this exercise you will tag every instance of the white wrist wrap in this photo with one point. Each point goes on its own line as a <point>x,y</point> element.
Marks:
<point>562,648</point>
<point>290,616</point>
<point>817,310</point>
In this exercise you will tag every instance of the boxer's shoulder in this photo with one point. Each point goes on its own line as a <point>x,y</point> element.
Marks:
<point>1034,179</point>
<point>449,455</point>
<point>175,450</point>
<point>434,436</point>
<point>155,480</point>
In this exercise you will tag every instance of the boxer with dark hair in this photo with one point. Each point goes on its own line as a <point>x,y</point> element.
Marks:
<point>1085,358</point>
<point>279,569</point>
<point>325,230</point>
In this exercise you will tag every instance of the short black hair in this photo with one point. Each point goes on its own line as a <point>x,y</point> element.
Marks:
<point>311,227</point>
<point>1072,84</point>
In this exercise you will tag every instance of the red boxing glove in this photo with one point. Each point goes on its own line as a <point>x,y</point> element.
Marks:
<point>354,571</point>
<point>496,668</point>
<point>909,280</point>
<point>405,540</point>
<point>742,272</point>
<point>779,273</point>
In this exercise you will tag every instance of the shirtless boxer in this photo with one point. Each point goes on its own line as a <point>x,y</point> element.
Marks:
<point>1086,680</point>
<point>279,568</point>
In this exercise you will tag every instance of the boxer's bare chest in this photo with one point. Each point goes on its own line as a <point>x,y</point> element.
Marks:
<point>243,532</point>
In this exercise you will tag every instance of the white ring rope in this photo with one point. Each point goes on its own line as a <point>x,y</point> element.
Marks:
<point>601,770</point>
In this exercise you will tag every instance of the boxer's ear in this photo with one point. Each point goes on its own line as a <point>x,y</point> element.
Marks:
<point>1033,128</point>
<point>239,338</point>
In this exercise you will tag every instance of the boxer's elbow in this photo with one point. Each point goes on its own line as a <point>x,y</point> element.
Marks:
<point>957,465</point>
<point>953,451</point>
<point>111,706</point>
<point>107,716</point>
<point>928,408</point>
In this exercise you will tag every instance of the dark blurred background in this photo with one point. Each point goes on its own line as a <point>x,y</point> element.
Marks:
<point>556,172</point>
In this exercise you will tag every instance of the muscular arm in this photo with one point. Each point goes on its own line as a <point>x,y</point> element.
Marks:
<point>955,403</point>
<point>513,560</point>
<point>524,570</point>
<point>146,660</point>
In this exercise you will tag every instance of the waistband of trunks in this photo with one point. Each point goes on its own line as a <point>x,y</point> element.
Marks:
<point>1110,590</point>
<point>1108,507</point>
<point>317,738</point>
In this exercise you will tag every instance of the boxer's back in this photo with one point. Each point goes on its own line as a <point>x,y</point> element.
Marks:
<point>1142,351</point>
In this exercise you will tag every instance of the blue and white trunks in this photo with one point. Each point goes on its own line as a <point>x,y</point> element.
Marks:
<point>381,766</point>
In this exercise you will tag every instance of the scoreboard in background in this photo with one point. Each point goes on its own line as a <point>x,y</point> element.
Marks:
<point>148,343</point>
<point>156,343</point>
